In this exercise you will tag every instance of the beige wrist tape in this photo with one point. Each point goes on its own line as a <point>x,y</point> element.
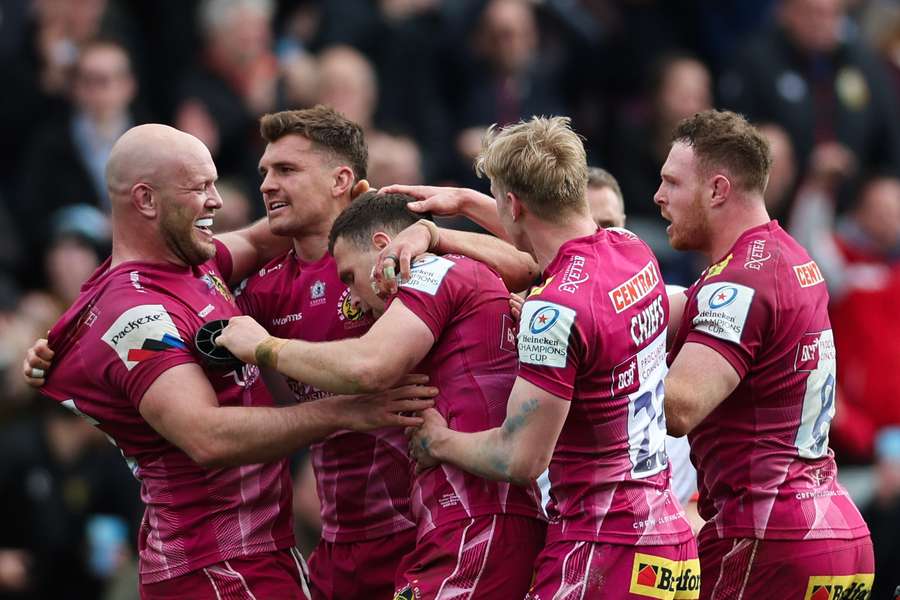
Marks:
<point>433,232</point>
<point>266,352</point>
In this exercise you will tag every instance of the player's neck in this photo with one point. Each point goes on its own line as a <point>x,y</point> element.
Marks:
<point>546,238</point>
<point>130,245</point>
<point>727,231</point>
<point>312,247</point>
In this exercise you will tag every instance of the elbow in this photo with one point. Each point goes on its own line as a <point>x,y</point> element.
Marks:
<point>209,455</point>
<point>368,377</point>
<point>677,424</point>
<point>526,472</point>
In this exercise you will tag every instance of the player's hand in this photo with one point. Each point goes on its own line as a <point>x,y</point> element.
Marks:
<point>515,306</point>
<point>390,408</point>
<point>443,201</point>
<point>361,187</point>
<point>393,262</point>
<point>241,337</point>
<point>421,439</point>
<point>37,363</point>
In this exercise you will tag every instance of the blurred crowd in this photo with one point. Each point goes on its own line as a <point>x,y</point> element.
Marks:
<point>425,78</point>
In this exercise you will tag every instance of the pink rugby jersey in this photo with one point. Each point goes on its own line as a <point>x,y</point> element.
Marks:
<point>129,325</point>
<point>473,364</point>
<point>763,463</point>
<point>594,333</point>
<point>363,479</point>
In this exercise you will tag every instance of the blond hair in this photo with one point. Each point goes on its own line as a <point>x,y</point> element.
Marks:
<point>542,161</point>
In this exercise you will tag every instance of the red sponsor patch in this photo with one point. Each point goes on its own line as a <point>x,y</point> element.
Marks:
<point>632,291</point>
<point>808,274</point>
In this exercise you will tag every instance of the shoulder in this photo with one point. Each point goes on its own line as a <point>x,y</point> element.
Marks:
<point>430,273</point>
<point>272,272</point>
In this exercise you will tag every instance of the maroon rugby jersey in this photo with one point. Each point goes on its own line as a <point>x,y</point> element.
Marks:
<point>363,479</point>
<point>763,463</point>
<point>594,333</point>
<point>473,364</point>
<point>129,325</point>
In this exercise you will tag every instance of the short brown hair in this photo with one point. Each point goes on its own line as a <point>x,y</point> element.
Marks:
<point>601,178</point>
<point>724,139</point>
<point>542,161</point>
<point>326,128</point>
<point>369,212</point>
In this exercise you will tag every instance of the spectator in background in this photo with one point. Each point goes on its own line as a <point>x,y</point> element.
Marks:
<point>508,79</point>
<point>783,174</point>
<point>679,87</point>
<point>237,211</point>
<point>348,84</point>
<point>883,514</point>
<point>394,159</point>
<point>235,80</point>
<point>75,507</point>
<point>816,79</point>
<point>860,260</point>
<point>76,146</point>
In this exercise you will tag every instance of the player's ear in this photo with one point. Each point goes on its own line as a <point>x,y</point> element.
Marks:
<point>721,188</point>
<point>516,207</point>
<point>145,200</point>
<point>380,239</point>
<point>343,180</point>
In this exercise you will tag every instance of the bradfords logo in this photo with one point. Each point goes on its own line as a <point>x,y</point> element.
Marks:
<point>631,292</point>
<point>657,577</point>
<point>808,274</point>
<point>840,587</point>
<point>756,255</point>
<point>142,331</point>
<point>574,275</point>
<point>814,347</point>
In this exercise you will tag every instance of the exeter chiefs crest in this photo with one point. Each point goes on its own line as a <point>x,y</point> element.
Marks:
<point>214,282</point>
<point>350,316</point>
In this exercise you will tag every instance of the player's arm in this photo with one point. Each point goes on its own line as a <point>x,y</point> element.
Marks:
<point>698,381</point>
<point>181,405</point>
<point>252,247</point>
<point>518,451</point>
<point>677,304</point>
<point>517,269</point>
<point>453,201</point>
<point>396,343</point>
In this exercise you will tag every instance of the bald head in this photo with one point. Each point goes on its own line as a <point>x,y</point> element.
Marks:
<point>153,154</point>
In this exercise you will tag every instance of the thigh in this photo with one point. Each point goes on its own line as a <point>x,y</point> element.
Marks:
<point>581,570</point>
<point>278,574</point>
<point>348,571</point>
<point>488,556</point>
<point>792,570</point>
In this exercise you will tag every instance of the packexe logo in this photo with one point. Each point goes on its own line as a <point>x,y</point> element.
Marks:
<point>657,577</point>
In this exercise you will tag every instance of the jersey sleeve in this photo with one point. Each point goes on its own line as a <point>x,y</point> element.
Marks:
<point>145,341</point>
<point>432,292</point>
<point>549,349</point>
<point>734,315</point>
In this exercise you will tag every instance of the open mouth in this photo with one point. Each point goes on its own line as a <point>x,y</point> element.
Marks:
<point>278,204</point>
<point>205,225</point>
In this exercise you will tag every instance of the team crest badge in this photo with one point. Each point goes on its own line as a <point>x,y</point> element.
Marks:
<point>317,293</point>
<point>214,282</point>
